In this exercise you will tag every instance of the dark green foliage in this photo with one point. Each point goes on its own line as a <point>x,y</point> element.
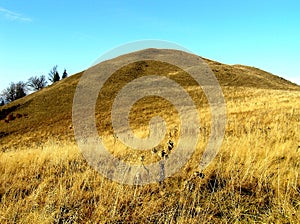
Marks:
<point>65,74</point>
<point>54,75</point>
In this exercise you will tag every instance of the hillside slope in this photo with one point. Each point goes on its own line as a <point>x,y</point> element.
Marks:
<point>47,114</point>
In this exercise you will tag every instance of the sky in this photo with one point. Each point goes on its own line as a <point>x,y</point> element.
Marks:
<point>36,35</point>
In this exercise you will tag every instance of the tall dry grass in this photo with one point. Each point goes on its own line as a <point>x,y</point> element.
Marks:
<point>253,179</point>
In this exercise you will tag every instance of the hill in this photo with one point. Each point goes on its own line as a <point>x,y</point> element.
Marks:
<point>253,179</point>
<point>47,114</point>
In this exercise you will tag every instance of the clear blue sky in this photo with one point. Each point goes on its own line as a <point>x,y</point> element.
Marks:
<point>36,35</point>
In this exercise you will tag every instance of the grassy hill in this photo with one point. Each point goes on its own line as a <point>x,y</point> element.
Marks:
<point>254,178</point>
<point>47,114</point>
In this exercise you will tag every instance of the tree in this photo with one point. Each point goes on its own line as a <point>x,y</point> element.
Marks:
<point>14,91</point>
<point>65,74</point>
<point>36,83</point>
<point>20,90</point>
<point>9,94</point>
<point>53,75</point>
<point>1,101</point>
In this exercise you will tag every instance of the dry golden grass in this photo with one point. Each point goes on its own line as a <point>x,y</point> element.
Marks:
<point>254,178</point>
<point>49,111</point>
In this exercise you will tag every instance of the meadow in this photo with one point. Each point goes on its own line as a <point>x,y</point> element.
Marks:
<point>254,178</point>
